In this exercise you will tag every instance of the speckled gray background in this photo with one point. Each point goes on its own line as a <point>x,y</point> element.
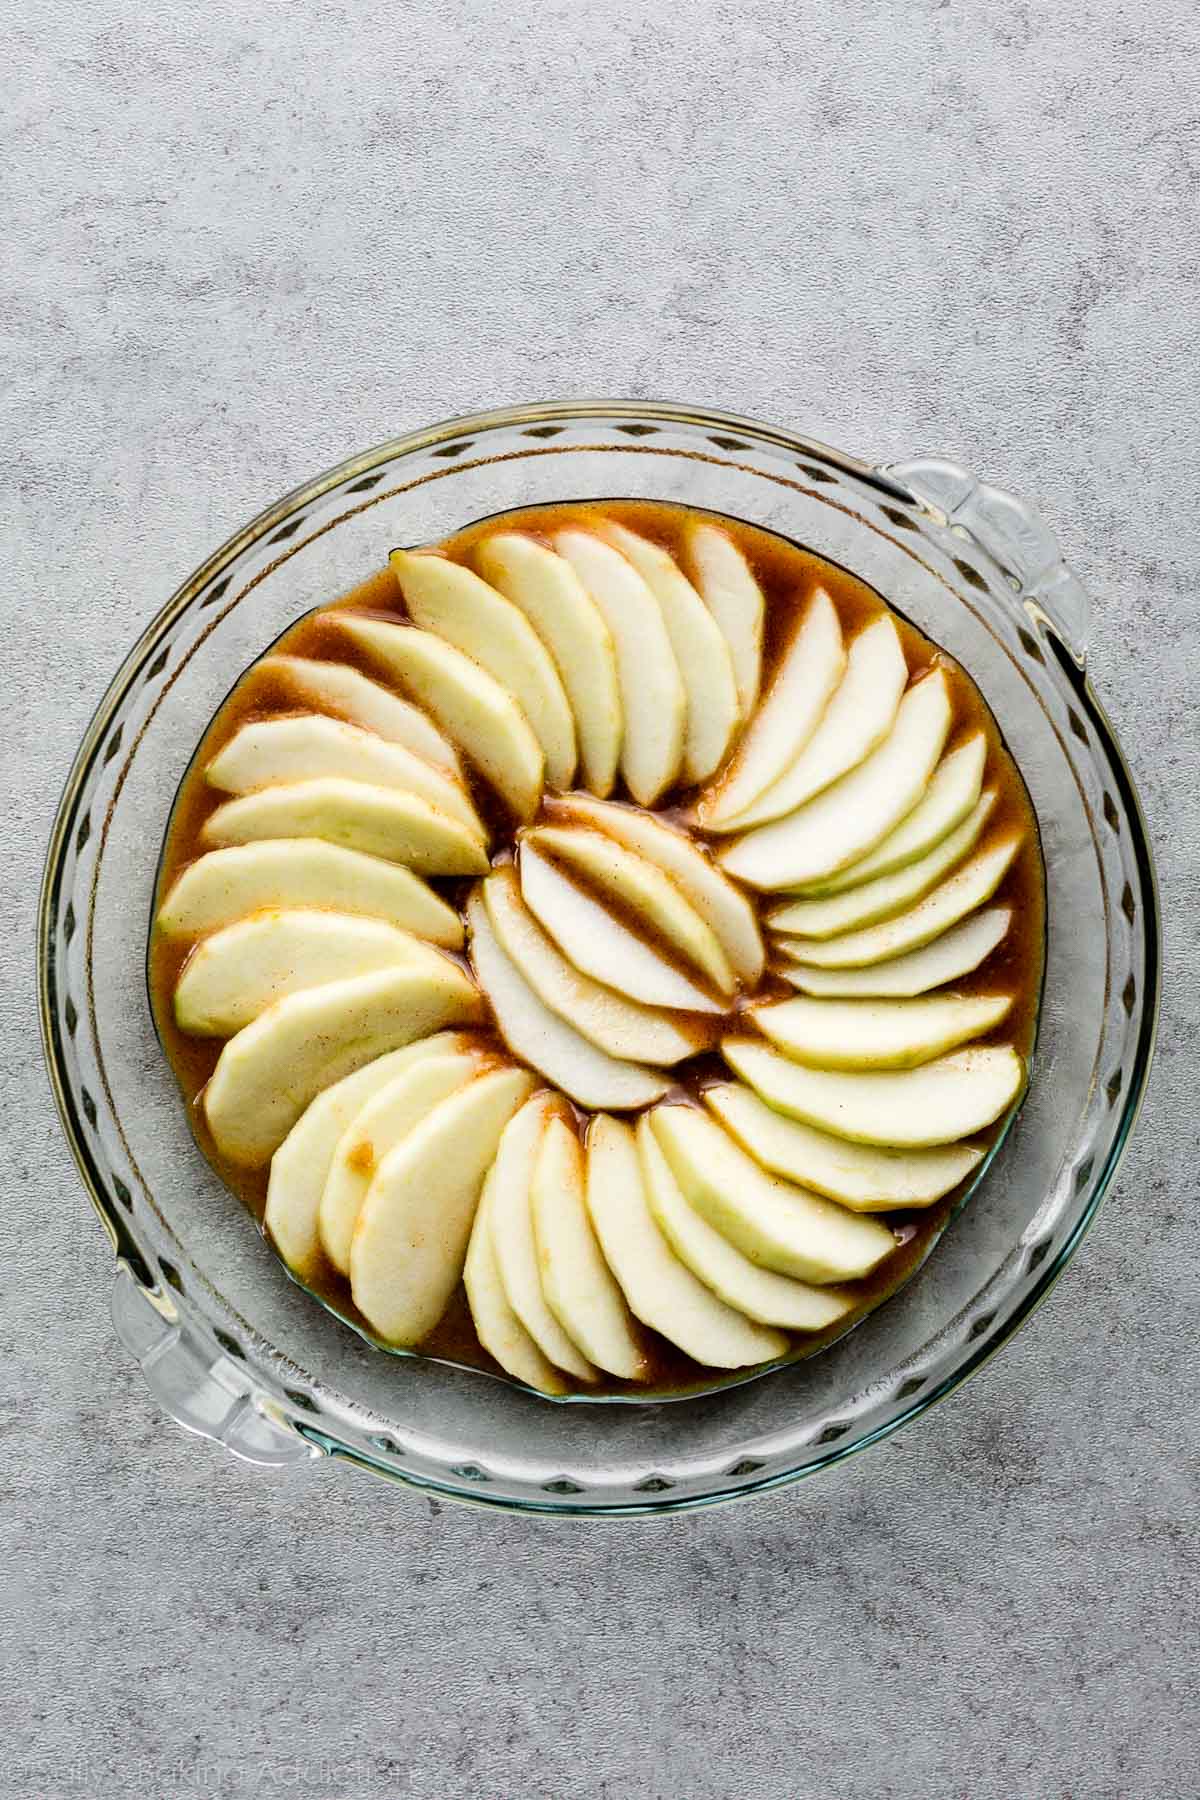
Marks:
<point>239,241</point>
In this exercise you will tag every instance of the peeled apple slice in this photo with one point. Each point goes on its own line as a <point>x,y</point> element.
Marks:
<point>968,888</point>
<point>661,1291</point>
<point>576,1281</point>
<point>809,670</point>
<point>238,972</point>
<point>728,588</point>
<point>640,886</point>
<point>469,705</point>
<point>955,954</point>
<point>779,1226</point>
<point>938,1103</point>
<point>877,1034</point>
<point>857,1175</point>
<point>411,1238</point>
<point>226,885</point>
<point>274,1068</point>
<point>858,717</point>
<point>496,1324</point>
<point>953,790</point>
<point>375,820</point>
<point>549,1043</point>
<point>849,818</point>
<point>548,591</point>
<point>454,603</point>
<point>338,688</point>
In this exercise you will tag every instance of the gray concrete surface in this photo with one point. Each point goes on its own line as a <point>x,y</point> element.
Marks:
<point>239,241</point>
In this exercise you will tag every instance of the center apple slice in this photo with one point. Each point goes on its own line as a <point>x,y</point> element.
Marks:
<point>378,821</point>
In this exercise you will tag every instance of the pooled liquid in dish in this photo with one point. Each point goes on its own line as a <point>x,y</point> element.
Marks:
<point>602,947</point>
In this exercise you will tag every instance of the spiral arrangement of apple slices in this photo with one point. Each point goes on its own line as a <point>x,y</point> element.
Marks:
<point>420,1109</point>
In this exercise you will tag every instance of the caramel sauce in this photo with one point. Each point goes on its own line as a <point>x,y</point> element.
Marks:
<point>787,573</point>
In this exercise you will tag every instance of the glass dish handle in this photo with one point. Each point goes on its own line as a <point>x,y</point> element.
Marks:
<point>1013,534</point>
<point>212,1396</point>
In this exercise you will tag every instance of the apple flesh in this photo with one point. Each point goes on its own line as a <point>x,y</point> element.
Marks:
<point>877,1034</point>
<point>958,952</point>
<point>496,1324</point>
<point>378,821</point>
<point>348,694</point>
<point>728,588</point>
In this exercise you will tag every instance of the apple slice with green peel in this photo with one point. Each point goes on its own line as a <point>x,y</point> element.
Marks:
<point>619,1027</point>
<point>639,886</point>
<point>955,954</point>
<point>653,702</point>
<point>337,688</point>
<point>496,1324</point>
<point>857,1175</point>
<point>877,1034</point>
<point>375,820</point>
<point>759,1293</point>
<point>776,1224</point>
<point>938,1103</point>
<point>660,1290</point>
<point>514,1243</point>
<point>274,1068</point>
<point>242,969</point>
<point>374,1131</point>
<point>411,1238</point>
<point>953,790</point>
<point>226,885</point>
<point>455,604</point>
<point>705,665</point>
<point>808,672</point>
<point>965,890</point>
<point>278,752</point>
<point>831,915</point>
<point>723,907</point>
<point>859,716</point>
<point>540,1037</point>
<point>599,945</point>
<point>469,705</point>
<point>576,1280</point>
<point>727,586</point>
<point>550,594</point>
<point>846,820</point>
<point>301,1163</point>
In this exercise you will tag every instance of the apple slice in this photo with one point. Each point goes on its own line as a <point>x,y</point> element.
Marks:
<point>599,945</point>
<point>966,889</point>
<point>411,1238</point>
<point>619,1027</point>
<point>759,1293</point>
<point>830,915</point>
<point>548,591</point>
<point>277,752</point>
<point>877,1034</point>
<point>777,1225</point>
<point>301,1163</point>
<point>957,953</point>
<point>936,1104</point>
<point>273,1069</point>
<point>337,688</point>
<point>953,790</point>
<point>513,1240</point>
<point>239,971</point>
<point>808,671</point>
<point>847,819</point>
<point>859,716</point>
<point>856,1175</point>
<point>455,604</point>
<point>652,695</point>
<point>705,665</point>
<point>660,1290</point>
<point>722,906</point>
<point>543,1039</point>
<point>637,886</point>
<point>496,1324</point>
<point>376,1129</point>
<point>735,600</point>
<point>576,1282</point>
<point>472,708</point>
<point>378,821</point>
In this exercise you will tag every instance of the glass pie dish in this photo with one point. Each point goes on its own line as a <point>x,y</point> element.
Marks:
<point>235,1351</point>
